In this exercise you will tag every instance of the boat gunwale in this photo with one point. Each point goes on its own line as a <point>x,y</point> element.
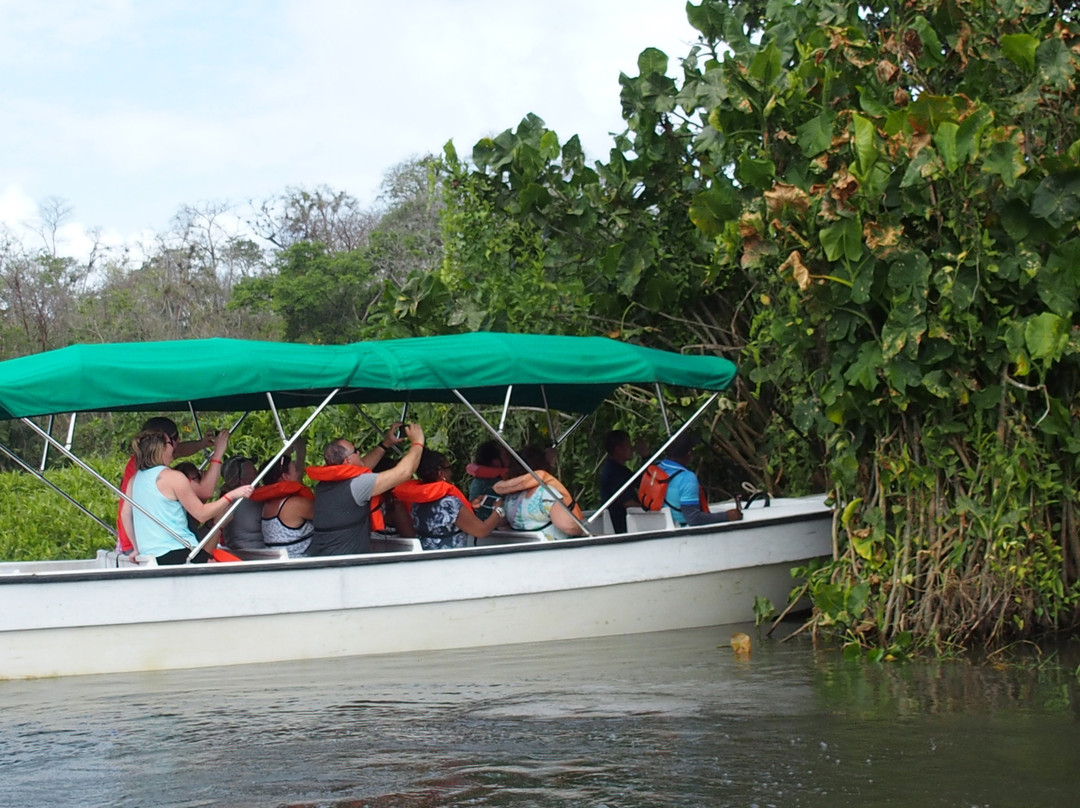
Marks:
<point>376,559</point>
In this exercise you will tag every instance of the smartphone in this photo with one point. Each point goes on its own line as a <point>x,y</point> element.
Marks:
<point>490,501</point>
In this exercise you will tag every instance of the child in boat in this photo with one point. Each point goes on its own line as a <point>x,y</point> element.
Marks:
<point>191,471</point>
<point>491,464</point>
<point>547,508</point>
<point>442,518</point>
<point>244,529</point>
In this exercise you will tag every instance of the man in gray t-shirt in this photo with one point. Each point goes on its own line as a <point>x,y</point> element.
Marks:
<point>343,496</point>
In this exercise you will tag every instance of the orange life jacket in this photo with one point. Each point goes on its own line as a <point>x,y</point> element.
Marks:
<point>347,472</point>
<point>652,490</point>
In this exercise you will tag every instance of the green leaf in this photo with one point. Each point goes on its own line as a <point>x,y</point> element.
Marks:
<point>1020,49</point>
<point>710,210</point>
<point>549,145</point>
<point>931,46</point>
<point>1046,336</point>
<point>903,329</point>
<point>815,136</point>
<point>971,129</point>
<point>1057,199</point>
<point>756,171</point>
<point>652,61</point>
<point>865,143</point>
<point>710,18</point>
<point>945,142</point>
<point>842,240</point>
<point>1056,66</point>
<point>864,370</point>
<point>1006,160</point>
<point>766,66</point>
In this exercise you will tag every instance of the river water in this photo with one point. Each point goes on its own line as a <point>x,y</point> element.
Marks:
<point>665,719</point>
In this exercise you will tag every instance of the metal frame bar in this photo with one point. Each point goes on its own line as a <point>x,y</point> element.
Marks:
<point>71,431</point>
<point>45,448</point>
<point>659,453</point>
<point>517,457</point>
<point>42,478</point>
<point>87,467</point>
<point>505,409</point>
<point>277,419</point>
<point>551,423</point>
<point>570,430</point>
<point>265,469</point>
<point>663,409</point>
<point>206,460</point>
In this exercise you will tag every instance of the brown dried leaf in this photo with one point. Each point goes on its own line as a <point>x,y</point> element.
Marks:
<point>799,270</point>
<point>782,195</point>
<point>886,71</point>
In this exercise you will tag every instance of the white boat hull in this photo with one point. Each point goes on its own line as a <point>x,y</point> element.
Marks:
<point>80,621</point>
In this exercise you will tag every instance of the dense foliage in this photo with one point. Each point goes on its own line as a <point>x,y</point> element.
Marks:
<point>876,208</point>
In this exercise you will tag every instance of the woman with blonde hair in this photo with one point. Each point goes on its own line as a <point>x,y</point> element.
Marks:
<point>166,494</point>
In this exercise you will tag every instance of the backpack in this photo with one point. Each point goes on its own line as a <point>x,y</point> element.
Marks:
<point>652,491</point>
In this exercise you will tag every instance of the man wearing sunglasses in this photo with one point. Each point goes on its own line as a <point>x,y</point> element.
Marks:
<point>348,492</point>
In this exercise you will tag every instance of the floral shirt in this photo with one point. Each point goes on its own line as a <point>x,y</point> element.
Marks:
<point>531,510</point>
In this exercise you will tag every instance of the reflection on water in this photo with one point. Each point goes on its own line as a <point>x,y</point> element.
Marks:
<point>666,719</point>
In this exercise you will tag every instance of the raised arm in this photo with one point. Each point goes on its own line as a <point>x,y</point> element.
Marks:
<point>175,483</point>
<point>379,452</point>
<point>204,489</point>
<point>406,467</point>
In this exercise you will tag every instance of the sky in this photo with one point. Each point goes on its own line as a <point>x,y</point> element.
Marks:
<point>127,110</point>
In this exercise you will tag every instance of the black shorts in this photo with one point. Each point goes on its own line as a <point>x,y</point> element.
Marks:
<point>176,557</point>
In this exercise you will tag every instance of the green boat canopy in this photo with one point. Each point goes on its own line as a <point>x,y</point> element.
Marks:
<point>571,374</point>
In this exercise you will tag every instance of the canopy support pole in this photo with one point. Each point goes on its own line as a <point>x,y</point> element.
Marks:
<point>195,418</point>
<point>28,468</point>
<point>373,423</point>
<point>265,469</point>
<point>71,431</point>
<point>551,424</point>
<point>663,409</point>
<point>517,457</point>
<point>45,448</point>
<point>87,467</point>
<point>274,412</point>
<point>206,459</point>
<point>570,430</point>
<point>659,453</point>
<point>505,410</point>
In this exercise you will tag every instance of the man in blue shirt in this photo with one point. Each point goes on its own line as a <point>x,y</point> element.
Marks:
<point>684,496</point>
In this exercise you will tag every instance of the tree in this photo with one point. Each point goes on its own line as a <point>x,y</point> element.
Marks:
<point>332,218</point>
<point>876,206</point>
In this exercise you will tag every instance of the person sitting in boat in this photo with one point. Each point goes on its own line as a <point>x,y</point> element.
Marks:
<point>287,506</point>
<point>204,489</point>
<point>243,531</point>
<point>347,494</point>
<point>491,465</point>
<point>682,492</point>
<point>168,496</point>
<point>547,508</point>
<point>191,471</point>
<point>614,474</point>
<point>442,518</point>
